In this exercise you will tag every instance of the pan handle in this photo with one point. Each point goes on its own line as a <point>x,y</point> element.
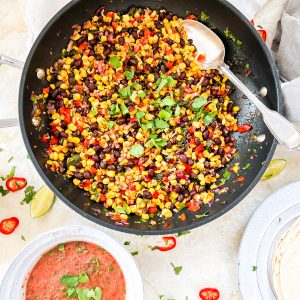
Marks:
<point>6,60</point>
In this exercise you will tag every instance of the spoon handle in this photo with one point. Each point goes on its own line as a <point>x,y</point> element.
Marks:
<point>284,131</point>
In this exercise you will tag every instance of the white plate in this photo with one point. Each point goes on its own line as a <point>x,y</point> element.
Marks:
<point>266,225</point>
<point>12,284</point>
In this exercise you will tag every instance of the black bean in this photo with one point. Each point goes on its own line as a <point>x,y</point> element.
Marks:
<point>190,41</point>
<point>111,167</point>
<point>135,35</point>
<point>147,194</point>
<point>141,33</point>
<point>169,17</point>
<point>180,198</point>
<point>95,158</point>
<point>229,107</point>
<point>63,134</point>
<point>205,134</point>
<point>184,119</point>
<point>151,173</point>
<point>117,154</point>
<point>183,158</point>
<point>227,139</point>
<point>182,42</point>
<point>56,133</point>
<point>107,51</point>
<point>91,87</point>
<point>190,162</point>
<point>79,176</point>
<point>121,40</point>
<point>94,126</point>
<point>193,175</point>
<point>78,165</point>
<point>221,151</point>
<point>162,15</point>
<point>158,24</point>
<point>70,145</point>
<point>87,175</point>
<point>197,141</point>
<point>100,185</point>
<point>131,164</point>
<point>169,41</point>
<point>163,68</point>
<point>206,164</point>
<point>121,121</point>
<point>178,188</point>
<point>224,161</point>
<point>97,148</point>
<point>217,141</point>
<point>133,61</point>
<point>103,165</point>
<point>55,93</point>
<point>182,76</point>
<point>107,150</point>
<point>193,193</point>
<point>85,111</point>
<point>205,82</point>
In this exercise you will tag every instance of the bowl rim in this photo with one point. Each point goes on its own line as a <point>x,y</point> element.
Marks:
<point>13,287</point>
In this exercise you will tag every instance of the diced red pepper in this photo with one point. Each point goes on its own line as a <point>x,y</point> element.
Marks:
<point>45,138</point>
<point>191,17</point>
<point>46,90</point>
<point>209,294</point>
<point>77,103</point>
<point>86,142</point>
<point>132,187</point>
<point>8,226</point>
<point>192,206</point>
<point>263,34</point>
<point>188,169</point>
<point>152,210</point>
<point>244,128</point>
<point>155,195</point>
<point>110,14</point>
<point>93,170</point>
<point>83,46</point>
<point>66,112</point>
<point>133,120</point>
<point>136,48</point>
<point>169,65</point>
<point>182,217</point>
<point>53,140</point>
<point>240,179</point>
<point>147,178</point>
<point>170,241</point>
<point>252,22</point>
<point>114,25</point>
<point>166,224</point>
<point>15,184</point>
<point>85,183</point>
<point>166,180</point>
<point>102,198</point>
<point>201,58</point>
<point>116,217</point>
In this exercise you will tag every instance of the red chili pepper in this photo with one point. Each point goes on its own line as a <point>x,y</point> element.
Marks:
<point>152,210</point>
<point>201,58</point>
<point>15,184</point>
<point>191,17</point>
<point>45,137</point>
<point>155,195</point>
<point>192,206</point>
<point>170,243</point>
<point>240,179</point>
<point>8,226</point>
<point>209,294</point>
<point>110,14</point>
<point>252,22</point>
<point>263,34</point>
<point>169,65</point>
<point>244,128</point>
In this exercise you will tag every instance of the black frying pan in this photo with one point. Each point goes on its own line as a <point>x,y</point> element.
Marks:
<point>47,49</point>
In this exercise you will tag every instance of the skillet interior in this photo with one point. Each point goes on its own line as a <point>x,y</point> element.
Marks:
<point>55,36</point>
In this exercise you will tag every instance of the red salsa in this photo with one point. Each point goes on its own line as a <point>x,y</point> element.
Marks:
<point>73,269</point>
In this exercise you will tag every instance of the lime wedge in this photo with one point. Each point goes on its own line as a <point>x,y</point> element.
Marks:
<point>41,202</point>
<point>274,168</point>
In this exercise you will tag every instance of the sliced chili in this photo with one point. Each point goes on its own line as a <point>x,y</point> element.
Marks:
<point>15,184</point>
<point>263,34</point>
<point>209,294</point>
<point>170,243</point>
<point>8,226</point>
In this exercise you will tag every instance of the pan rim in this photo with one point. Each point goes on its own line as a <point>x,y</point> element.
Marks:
<point>125,229</point>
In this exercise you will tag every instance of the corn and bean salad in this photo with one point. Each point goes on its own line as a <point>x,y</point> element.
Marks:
<point>133,120</point>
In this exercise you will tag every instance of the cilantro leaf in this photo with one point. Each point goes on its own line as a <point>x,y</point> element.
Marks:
<point>94,111</point>
<point>139,115</point>
<point>3,192</point>
<point>136,150</point>
<point>124,109</point>
<point>129,74</point>
<point>114,109</point>
<point>115,62</point>
<point>125,92</point>
<point>168,101</point>
<point>165,115</point>
<point>177,111</point>
<point>208,118</point>
<point>10,175</point>
<point>182,233</point>
<point>83,278</point>
<point>134,253</point>
<point>70,281</point>
<point>148,125</point>
<point>177,270</point>
<point>136,86</point>
<point>71,293</point>
<point>109,124</point>
<point>29,194</point>
<point>160,124</point>
<point>141,94</point>
<point>202,215</point>
<point>198,103</point>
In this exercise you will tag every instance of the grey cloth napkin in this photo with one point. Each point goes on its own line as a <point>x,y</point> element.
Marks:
<point>286,46</point>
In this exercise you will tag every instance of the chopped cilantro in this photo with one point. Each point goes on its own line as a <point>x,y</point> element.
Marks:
<point>141,94</point>
<point>94,111</point>
<point>168,101</point>
<point>164,81</point>
<point>198,103</point>
<point>129,74</point>
<point>177,111</point>
<point>115,62</point>
<point>1,149</point>
<point>10,175</point>
<point>61,247</point>
<point>254,268</point>
<point>124,109</point>
<point>127,243</point>
<point>114,109</point>
<point>177,269</point>
<point>3,192</point>
<point>246,166</point>
<point>202,215</point>
<point>160,124</point>
<point>23,238</point>
<point>134,253</point>
<point>136,150</point>
<point>226,175</point>
<point>208,118</point>
<point>183,233</point>
<point>111,267</point>
<point>125,92</point>
<point>29,194</point>
<point>10,159</point>
<point>165,115</point>
<point>203,16</point>
<point>148,125</point>
<point>139,115</point>
<point>136,86</point>
<point>109,124</point>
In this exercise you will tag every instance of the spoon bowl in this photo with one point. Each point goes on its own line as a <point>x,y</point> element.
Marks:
<point>211,54</point>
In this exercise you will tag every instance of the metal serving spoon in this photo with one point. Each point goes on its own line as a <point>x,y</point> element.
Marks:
<point>208,43</point>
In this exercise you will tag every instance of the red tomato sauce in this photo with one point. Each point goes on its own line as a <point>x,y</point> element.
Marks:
<point>74,258</point>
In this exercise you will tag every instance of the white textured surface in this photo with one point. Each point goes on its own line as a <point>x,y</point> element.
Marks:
<point>208,254</point>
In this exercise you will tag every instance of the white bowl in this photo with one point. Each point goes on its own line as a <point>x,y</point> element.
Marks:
<point>12,286</point>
